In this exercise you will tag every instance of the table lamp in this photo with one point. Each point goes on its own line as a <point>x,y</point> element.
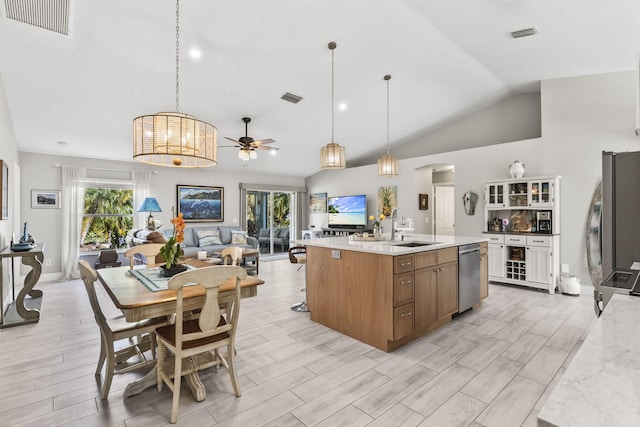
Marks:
<point>150,204</point>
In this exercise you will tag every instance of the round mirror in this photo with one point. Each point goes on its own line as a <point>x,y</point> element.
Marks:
<point>594,238</point>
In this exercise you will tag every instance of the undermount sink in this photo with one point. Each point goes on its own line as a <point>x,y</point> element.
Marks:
<point>415,244</point>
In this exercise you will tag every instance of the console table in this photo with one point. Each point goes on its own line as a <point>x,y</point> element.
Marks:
<point>21,311</point>
<point>344,231</point>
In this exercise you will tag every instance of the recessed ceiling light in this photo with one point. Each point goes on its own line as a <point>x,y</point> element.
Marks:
<point>195,53</point>
<point>273,151</point>
<point>524,33</point>
<point>342,106</point>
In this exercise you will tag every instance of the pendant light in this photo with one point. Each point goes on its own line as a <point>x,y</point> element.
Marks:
<point>174,139</point>
<point>332,154</point>
<point>387,164</point>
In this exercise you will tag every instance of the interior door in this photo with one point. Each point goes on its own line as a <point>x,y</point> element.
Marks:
<point>444,213</point>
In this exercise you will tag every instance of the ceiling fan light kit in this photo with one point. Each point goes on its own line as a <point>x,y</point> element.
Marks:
<point>248,145</point>
<point>174,139</point>
<point>332,155</point>
<point>387,164</point>
<point>246,154</point>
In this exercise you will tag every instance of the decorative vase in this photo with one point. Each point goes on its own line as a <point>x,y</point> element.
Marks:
<point>516,169</point>
<point>377,231</point>
<point>168,272</point>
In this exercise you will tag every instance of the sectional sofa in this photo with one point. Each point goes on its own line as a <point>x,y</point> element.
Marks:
<point>211,238</point>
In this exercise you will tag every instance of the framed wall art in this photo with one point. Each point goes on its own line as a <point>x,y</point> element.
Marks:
<point>423,202</point>
<point>199,203</point>
<point>318,202</point>
<point>45,199</point>
<point>4,190</point>
<point>387,197</point>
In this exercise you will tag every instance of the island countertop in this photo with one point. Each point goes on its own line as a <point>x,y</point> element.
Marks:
<point>387,247</point>
<point>600,386</point>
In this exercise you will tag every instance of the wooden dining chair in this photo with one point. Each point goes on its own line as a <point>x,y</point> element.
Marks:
<point>232,255</point>
<point>213,329</point>
<point>139,335</point>
<point>148,250</point>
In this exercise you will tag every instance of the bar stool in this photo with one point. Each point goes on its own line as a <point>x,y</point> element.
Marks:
<point>298,255</point>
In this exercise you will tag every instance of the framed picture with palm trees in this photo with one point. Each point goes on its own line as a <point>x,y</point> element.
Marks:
<point>200,203</point>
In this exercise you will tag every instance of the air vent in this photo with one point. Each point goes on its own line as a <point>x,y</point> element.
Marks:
<point>52,15</point>
<point>524,33</point>
<point>291,97</point>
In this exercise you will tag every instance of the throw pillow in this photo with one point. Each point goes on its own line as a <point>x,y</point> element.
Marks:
<point>239,237</point>
<point>208,238</point>
<point>156,237</point>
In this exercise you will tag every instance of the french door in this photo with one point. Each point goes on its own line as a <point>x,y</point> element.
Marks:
<point>272,215</point>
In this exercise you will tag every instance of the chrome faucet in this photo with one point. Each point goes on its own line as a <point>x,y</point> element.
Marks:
<point>394,214</point>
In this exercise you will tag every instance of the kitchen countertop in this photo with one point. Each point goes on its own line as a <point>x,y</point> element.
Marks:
<point>601,386</point>
<point>391,248</point>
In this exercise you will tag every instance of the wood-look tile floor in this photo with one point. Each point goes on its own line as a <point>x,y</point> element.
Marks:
<point>494,366</point>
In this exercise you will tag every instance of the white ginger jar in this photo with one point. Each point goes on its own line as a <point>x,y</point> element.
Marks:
<point>516,169</point>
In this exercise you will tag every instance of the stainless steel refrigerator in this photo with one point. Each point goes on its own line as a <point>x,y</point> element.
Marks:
<point>620,231</point>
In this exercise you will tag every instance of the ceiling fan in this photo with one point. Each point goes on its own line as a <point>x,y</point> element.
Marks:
<point>248,146</point>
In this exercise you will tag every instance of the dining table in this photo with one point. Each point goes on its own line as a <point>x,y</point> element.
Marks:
<point>138,302</point>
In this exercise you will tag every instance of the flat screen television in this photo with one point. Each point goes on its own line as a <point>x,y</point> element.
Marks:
<point>347,211</point>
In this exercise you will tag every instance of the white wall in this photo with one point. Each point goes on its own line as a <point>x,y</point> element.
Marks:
<point>512,119</point>
<point>9,154</point>
<point>39,173</point>
<point>581,117</point>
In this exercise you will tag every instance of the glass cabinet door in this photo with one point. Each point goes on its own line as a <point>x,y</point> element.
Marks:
<point>518,194</point>
<point>540,193</point>
<point>495,195</point>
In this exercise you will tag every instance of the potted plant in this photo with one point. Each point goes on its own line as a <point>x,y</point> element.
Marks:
<point>171,250</point>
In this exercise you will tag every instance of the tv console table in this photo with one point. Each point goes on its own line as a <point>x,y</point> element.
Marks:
<point>344,231</point>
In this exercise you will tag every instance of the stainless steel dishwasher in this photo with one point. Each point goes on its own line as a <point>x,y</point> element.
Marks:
<point>468,276</point>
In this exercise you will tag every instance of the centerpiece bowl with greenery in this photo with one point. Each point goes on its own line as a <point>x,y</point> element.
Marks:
<point>171,250</point>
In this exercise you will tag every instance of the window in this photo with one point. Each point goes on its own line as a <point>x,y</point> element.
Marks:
<point>108,215</point>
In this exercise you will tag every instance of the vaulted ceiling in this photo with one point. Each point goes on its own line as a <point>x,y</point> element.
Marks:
<point>78,94</point>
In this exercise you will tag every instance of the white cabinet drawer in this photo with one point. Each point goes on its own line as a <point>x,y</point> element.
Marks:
<point>511,239</point>
<point>539,241</point>
<point>495,238</point>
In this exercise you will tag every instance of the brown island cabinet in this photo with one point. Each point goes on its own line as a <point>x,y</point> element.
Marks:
<point>385,300</point>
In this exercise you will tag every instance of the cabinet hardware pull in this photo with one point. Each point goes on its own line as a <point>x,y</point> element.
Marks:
<point>405,282</point>
<point>405,314</point>
<point>404,264</point>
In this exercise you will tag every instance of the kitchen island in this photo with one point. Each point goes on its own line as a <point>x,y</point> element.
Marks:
<point>600,385</point>
<point>386,294</point>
